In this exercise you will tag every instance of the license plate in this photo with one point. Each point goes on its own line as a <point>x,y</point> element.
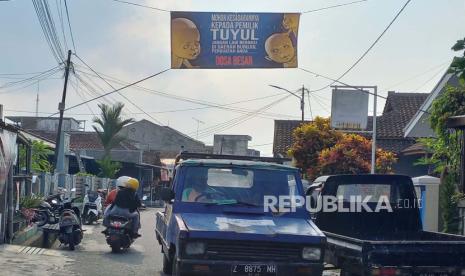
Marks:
<point>254,269</point>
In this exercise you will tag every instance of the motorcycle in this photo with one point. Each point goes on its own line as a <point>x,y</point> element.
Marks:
<point>119,233</point>
<point>70,224</point>
<point>92,210</point>
<point>48,210</point>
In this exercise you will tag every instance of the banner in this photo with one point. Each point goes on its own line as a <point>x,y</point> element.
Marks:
<point>219,40</point>
<point>349,109</point>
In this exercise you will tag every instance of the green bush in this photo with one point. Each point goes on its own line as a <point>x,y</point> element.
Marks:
<point>30,201</point>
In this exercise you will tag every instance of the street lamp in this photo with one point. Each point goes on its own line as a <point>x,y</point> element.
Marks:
<point>301,98</point>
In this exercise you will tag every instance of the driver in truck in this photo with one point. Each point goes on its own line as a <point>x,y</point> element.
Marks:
<point>197,189</point>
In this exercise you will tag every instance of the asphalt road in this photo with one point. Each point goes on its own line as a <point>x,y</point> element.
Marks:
<point>93,256</point>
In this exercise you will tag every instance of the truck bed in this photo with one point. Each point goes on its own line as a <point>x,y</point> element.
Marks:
<point>419,249</point>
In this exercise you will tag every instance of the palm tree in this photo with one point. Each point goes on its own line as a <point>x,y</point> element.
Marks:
<point>110,123</point>
<point>108,126</point>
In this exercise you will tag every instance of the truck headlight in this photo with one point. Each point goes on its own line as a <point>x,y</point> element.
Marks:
<point>195,248</point>
<point>311,253</point>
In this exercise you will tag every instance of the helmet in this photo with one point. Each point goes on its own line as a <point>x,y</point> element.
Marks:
<point>122,181</point>
<point>133,184</point>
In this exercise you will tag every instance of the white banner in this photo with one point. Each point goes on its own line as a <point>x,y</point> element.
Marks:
<point>349,109</point>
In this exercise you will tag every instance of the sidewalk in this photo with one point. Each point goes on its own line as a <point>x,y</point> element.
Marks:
<point>23,260</point>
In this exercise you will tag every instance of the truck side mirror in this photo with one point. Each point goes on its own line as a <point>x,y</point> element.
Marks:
<point>167,195</point>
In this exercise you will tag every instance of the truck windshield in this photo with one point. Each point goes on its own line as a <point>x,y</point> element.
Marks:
<point>236,185</point>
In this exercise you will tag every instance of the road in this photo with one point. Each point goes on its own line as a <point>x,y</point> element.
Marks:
<point>93,256</point>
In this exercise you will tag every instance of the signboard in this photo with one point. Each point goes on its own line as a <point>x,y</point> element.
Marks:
<point>349,109</point>
<point>219,40</point>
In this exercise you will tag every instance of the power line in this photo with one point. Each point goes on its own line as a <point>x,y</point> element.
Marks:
<point>122,95</point>
<point>191,100</point>
<point>418,75</point>
<point>335,6</point>
<point>69,25</point>
<point>59,7</point>
<point>140,5</point>
<point>114,91</point>
<point>238,120</point>
<point>369,48</point>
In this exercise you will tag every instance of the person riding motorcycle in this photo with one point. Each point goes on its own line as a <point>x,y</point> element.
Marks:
<point>126,203</point>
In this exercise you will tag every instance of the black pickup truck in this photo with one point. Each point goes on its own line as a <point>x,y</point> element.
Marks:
<point>385,241</point>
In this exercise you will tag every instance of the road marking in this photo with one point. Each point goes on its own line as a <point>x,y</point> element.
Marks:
<point>28,250</point>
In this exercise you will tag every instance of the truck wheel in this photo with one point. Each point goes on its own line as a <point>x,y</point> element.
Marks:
<point>175,269</point>
<point>167,265</point>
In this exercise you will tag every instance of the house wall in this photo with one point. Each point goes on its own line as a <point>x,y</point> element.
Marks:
<point>159,138</point>
<point>422,128</point>
<point>231,144</point>
<point>406,166</point>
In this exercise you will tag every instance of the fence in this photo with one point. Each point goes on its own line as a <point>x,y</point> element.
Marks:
<point>47,184</point>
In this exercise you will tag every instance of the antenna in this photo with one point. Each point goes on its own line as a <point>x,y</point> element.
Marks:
<point>198,123</point>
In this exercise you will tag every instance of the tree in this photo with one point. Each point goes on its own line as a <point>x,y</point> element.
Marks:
<point>458,64</point>
<point>444,153</point>
<point>108,126</point>
<point>39,156</point>
<point>310,140</point>
<point>352,155</point>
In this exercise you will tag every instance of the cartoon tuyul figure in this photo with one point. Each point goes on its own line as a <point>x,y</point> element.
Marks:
<point>185,42</point>
<point>279,49</point>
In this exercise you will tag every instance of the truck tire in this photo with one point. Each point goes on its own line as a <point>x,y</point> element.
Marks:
<point>167,265</point>
<point>175,269</point>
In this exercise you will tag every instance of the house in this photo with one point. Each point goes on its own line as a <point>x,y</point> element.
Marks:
<point>15,166</point>
<point>398,111</point>
<point>418,126</point>
<point>163,139</point>
<point>83,149</point>
<point>233,145</point>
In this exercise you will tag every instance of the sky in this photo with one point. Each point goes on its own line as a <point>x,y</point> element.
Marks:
<point>129,43</point>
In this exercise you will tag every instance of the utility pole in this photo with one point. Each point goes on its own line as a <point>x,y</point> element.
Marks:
<point>301,98</point>
<point>61,107</point>
<point>302,103</point>
<point>198,123</point>
<point>37,99</point>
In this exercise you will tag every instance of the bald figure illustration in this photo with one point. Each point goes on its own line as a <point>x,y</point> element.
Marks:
<point>185,42</point>
<point>279,49</point>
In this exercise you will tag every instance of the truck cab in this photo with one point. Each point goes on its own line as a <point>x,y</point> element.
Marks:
<point>215,223</point>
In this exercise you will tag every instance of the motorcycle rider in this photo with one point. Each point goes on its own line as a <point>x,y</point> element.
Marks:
<point>126,203</point>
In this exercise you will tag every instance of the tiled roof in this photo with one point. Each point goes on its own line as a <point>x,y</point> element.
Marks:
<point>83,140</point>
<point>399,109</point>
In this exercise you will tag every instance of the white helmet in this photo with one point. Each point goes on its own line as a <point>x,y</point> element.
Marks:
<point>122,181</point>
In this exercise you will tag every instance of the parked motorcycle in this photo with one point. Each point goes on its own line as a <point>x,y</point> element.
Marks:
<point>70,224</point>
<point>119,233</point>
<point>92,210</point>
<point>48,210</point>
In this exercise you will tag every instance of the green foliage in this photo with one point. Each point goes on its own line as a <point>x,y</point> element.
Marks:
<point>444,151</point>
<point>40,153</point>
<point>108,168</point>
<point>85,174</point>
<point>110,124</point>
<point>458,64</point>
<point>448,199</point>
<point>39,156</point>
<point>30,201</point>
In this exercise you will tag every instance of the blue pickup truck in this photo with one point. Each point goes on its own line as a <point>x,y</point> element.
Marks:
<point>215,223</point>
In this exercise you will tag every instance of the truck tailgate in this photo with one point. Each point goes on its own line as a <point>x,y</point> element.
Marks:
<point>414,253</point>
